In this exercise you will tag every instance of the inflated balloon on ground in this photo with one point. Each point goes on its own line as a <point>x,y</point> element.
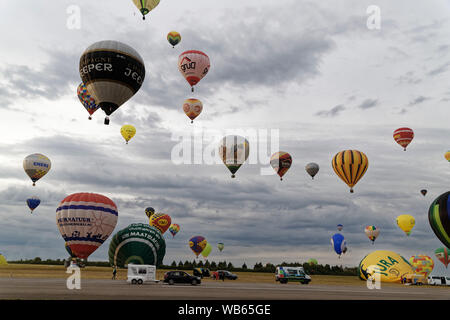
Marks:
<point>421,264</point>
<point>389,265</point>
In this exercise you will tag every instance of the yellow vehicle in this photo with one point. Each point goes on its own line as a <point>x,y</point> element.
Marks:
<point>416,279</point>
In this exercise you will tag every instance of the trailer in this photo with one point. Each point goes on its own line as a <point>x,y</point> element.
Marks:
<point>141,273</point>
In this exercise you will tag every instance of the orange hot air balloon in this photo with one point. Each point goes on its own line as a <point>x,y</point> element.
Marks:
<point>193,65</point>
<point>160,221</point>
<point>192,108</point>
<point>403,136</point>
<point>281,162</point>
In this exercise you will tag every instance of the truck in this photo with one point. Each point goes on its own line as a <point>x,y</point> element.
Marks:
<point>140,273</point>
<point>438,280</point>
<point>285,274</point>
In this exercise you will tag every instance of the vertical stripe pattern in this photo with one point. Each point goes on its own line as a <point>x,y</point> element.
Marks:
<point>350,166</point>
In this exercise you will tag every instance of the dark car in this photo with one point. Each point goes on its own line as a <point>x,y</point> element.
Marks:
<point>202,272</point>
<point>173,277</point>
<point>226,274</point>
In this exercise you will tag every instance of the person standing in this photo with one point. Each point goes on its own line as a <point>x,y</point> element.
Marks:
<point>114,273</point>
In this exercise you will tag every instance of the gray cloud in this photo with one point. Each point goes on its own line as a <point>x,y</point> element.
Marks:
<point>368,103</point>
<point>419,100</point>
<point>333,112</point>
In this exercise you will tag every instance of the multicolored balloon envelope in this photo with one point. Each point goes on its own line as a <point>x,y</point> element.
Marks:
<point>220,246</point>
<point>174,229</point>
<point>403,136</point>
<point>389,265</point>
<point>149,211</point>
<point>439,218</point>
<point>350,166</point>
<point>442,255</point>
<point>312,169</point>
<point>127,131</point>
<point>145,6</point>
<point>137,244</point>
<point>33,203</point>
<point>447,156</point>
<point>339,244</point>
<point>234,151</point>
<point>421,264</point>
<point>281,162</point>
<point>312,261</point>
<point>112,72</point>
<point>36,166</point>
<point>160,221</point>
<point>372,233</point>
<point>85,221</point>
<point>69,251</point>
<point>192,108</point>
<point>207,250</point>
<point>406,222</point>
<point>193,65</point>
<point>197,244</point>
<point>86,100</point>
<point>174,38</point>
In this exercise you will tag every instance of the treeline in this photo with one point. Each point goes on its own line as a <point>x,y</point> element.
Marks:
<point>222,265</point>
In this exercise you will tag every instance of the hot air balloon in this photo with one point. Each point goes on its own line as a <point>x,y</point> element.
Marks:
<point>127,131</point>
<point>3,261</point>
<point>193,65</point>
<point>36,166</point>
<point>220,246</point>
<point>339,244</point>
<point>174,38</point>
<point>339,227</point>
<point>281,162</point>
<point>234,151</point>
<point>442,255</point>
<point>112,72</point>
<point>439,218</point>
<point>447,156</point>
<point>406,222</point>
<point>192,108</point>
<point>312,169</point>
<point>312,262</point>
<point>149,211</point>
<point>403,136</point>
<point>423,192</point>
<point>174,229</point>
<point>137,244</point>
<point>207,250</point>
<point>85,221</point>
<point>421,264</point>
<point>161,221</point>
<point>145,6</point>
<point>372,233</point>
<point>33,203</point>
<point>69,251</point>
<point>391,266</point>
<point>197,244</point>
<point>350,166</point>
<point>86,100</point>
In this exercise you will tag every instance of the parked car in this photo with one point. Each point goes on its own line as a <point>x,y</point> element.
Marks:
<point>224,273</point>
<point>140,273</point>
<point>173,277</point>
<point>438,280</point>
<point>285,274</point>
<point>202,272</point>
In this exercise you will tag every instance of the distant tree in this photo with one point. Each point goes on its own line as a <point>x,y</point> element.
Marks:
<point>200,264</point>
<point>258,267</point>
<point>174,264</point>
<point>37,260</point>
<point>213,265</point>
<point>180,264</point>
<point>230,266</point>
<point>207,264</point>
<point>244,266</point>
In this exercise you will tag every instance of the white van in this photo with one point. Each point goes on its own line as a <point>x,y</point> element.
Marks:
<point>140,273</point>
<point>439,280</point>
<point>285,274</point>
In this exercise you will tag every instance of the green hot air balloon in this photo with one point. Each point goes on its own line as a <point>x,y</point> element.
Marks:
<point>207,250</point>
<point>439,218</point>
<point>220,246</point>
<point>137,244</point>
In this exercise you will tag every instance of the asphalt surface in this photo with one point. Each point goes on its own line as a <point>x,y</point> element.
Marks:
<point>56,289</point>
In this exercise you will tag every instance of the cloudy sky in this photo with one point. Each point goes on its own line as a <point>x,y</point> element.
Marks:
<point>309,74</point>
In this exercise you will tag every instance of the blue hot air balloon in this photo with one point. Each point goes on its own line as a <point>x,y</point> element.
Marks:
<point>339,227</point>
<point>33,203</point>
<point>339,244</point>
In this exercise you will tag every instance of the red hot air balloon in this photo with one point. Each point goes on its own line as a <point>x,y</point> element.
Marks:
<point>403,136</point>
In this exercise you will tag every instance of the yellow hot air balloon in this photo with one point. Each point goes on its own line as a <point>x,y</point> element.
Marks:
<point>447,156</point>
<point>145,6</point>
<point>192,108</point>
<point>406,222</point>
<point>128,132</point>
<point>389,265</point>
<point>350,166</point>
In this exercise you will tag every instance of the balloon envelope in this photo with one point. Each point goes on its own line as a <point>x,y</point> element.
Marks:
<point>423,192</point>
<point>137,244</point>
<point>389,265</point>
<point>350,166</point>
<point>421,264</point>
<point>207,250</point>
<point>339,244</point>
<point>442,255</point>
<point>447,156</point>
<point>36,166</point>
<point>220,246</point>
<point>174,38</point>
<point>192,108</point>
<point>340,227</point>
<point>406,222</point>
<point>312,169</point>
<point>439,218</point>
<point>33,203</point>
<point>372,232</point>
<point>281,162</point>
<point>85,221</point>
<point>312,261</point>
<point>197,244</point>
<point>145,6</point>
<point>149,211</point>
<point>234,151</point>
<point>403,136</point>
<point>127,131</point>
<point>161,221</point>
<point>86,99</point>
<point>193,65</point>
<point>174,229</point>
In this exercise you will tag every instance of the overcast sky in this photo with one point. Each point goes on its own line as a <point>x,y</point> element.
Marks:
<point>312,71</point>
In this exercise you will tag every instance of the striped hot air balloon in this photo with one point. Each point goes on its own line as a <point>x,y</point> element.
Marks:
<point>439,218</point>
<point>403,136</point>
<point>350,166</point>
<point>174,38</point>
<point>442,255</point>
<point>85,221</point>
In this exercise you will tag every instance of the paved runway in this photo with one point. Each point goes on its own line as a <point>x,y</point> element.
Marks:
<point>32,289</point>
